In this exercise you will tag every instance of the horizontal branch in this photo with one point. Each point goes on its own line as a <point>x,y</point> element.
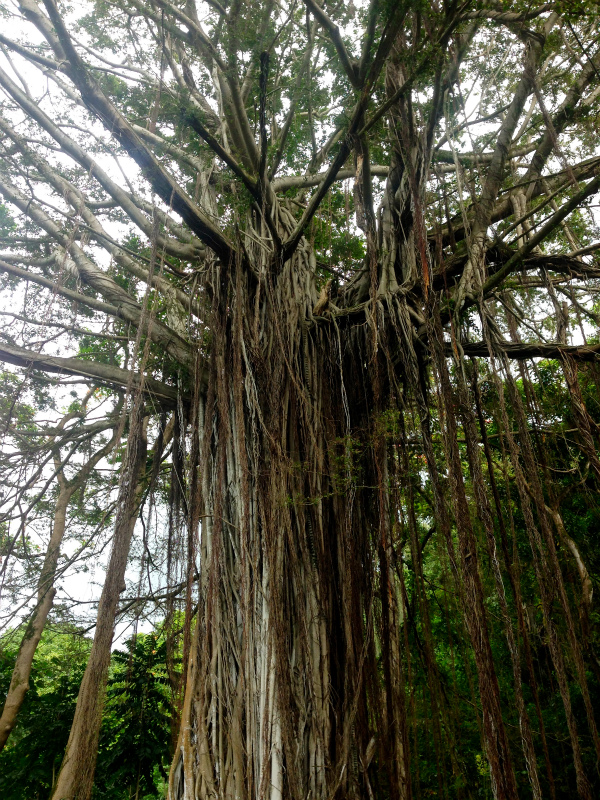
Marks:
<point>523,350</point>
<point>475,159</point>
<point>91,302</point>
<point>507,17</point>
<point>306,181</point>
<point>100,373</point>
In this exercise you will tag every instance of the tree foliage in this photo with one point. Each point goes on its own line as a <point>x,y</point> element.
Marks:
<point>28,766</point>
<point>135,739</point>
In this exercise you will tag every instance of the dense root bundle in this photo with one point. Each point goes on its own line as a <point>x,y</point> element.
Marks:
<point>321,460</point>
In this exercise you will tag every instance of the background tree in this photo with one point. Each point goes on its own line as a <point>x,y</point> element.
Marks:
<point>46,591</point>
<point>134,744</point>
<point>361,486</point>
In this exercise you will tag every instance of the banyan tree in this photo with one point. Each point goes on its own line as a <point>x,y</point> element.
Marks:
<point>338,263</point>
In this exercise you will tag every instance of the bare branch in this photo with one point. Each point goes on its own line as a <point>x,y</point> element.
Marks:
<point>102,373</point>
<point>531,350</point>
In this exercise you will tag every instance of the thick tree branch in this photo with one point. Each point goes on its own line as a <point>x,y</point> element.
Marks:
<point>507,17</point>
<point>29,54</point>
<point>102,373</point>
<point>535,350</point>
<point>77,297</point>
<point>306,181</point>
<point>350,65</point>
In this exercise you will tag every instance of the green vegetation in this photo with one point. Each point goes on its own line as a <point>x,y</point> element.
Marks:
<point>135,744</point>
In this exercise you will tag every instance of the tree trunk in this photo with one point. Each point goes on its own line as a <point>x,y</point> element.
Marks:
<point>296,668</point>
<point>281,698</point>
<point>76,776</point>
<point>19,683</point>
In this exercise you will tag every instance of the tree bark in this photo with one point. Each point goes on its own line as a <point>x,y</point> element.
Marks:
<point>76,776</point>
<point>19,683</point>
